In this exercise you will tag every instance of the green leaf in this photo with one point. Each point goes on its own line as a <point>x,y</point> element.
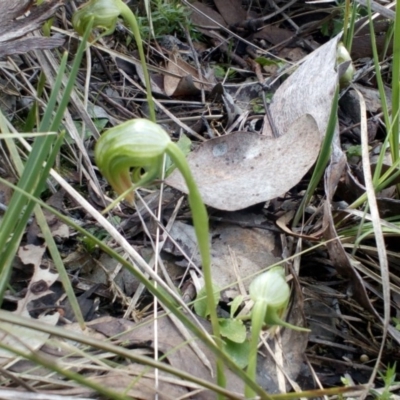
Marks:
<point>201,305</point>
<point>233,329</point>
<point>396,321</point>
<point>354,151</point>
<point>219,72</point>
<point>235,304</point>
<point>267,62</point>
<point>238,352</point>
<point>33,177</point>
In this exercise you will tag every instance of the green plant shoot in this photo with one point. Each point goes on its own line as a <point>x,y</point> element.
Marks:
<point>105,14</point>
<point>141,144</point>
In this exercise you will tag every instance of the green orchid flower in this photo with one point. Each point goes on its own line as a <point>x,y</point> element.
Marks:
<point>104,14</point>
<point>138,144</point>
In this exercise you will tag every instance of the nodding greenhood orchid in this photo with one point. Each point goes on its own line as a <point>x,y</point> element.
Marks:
<point>141,144</point>
<point>138,144</point>
<point>104,14</point>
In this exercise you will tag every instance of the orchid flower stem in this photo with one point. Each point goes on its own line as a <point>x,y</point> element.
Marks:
<point>128,15</point>
<point>201,226</point>
<point>257,320</point>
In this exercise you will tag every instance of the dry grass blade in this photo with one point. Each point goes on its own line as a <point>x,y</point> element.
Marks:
<point>18,395</point>
<point>380,243</point>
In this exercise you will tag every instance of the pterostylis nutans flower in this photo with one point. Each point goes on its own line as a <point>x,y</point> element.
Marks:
<point>270,293</point>
<point>141,144</point>
<point>105,14</point>
<point>123,152</point>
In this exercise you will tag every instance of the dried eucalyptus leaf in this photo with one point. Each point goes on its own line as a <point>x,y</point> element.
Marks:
<point>244,168</point>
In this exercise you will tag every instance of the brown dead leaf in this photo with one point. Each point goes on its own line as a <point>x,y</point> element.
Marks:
<point>238,170</point>
<point>309,90</point>
<point>352,187</point>
<point>203,16</point>
<point>273,34</point>
<point>15,24</point>
<point>170,343</point>
<point>183,79</point>
<point>107,266</point>
<point>181,87</point>
<point>283,222</point>
<point>341,260</point>
<point>31,254</point>
<point>292,54</point>
<point>39,286</point>
<point>252,249</point>
<point>185,236</point>
<point>139,383</point>
<point>21,338</point>
<point>220,94</point>
<point>241,169</point>
<point>231,11</point>
<point>337,254</point>
<point>22,46</point>
<point>372,97</point>
<point>361,47</point>
<point>388,207</point>
<point>59,229</point>
<point>156,81</point>
<point>5,191</point>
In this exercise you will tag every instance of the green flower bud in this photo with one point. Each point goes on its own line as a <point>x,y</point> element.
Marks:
<point>270,293</point>
<point>342,56</point>
<point>271,288</point>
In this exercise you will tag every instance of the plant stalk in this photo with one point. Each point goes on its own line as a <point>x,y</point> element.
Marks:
<point>201,226</point>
